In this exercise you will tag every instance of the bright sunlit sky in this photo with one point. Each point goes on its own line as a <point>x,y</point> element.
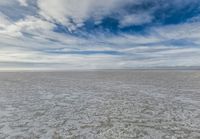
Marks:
<point>98,34</point>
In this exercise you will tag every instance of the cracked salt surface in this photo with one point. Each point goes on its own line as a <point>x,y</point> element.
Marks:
<point>115,104</point>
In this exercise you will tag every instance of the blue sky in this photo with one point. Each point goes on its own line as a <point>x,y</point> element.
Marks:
<point>98,34</point>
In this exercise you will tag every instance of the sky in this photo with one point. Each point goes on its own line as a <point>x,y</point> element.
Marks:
<point>99,34</point>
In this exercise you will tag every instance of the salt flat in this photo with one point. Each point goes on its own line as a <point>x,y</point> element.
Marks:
<point>106,104</point>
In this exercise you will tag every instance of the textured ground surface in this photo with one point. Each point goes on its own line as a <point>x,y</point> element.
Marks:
<point>149,104</point>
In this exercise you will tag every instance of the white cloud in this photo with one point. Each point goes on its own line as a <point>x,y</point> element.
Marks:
<point>23,2</point>
<point>4,21</point>
<point>26,50</point>
<point>190,31</point>
<point>135,19</point>
<point>30,25</point>
<point>13,2</point>
<point>31,39</point>
<point>73,13</point>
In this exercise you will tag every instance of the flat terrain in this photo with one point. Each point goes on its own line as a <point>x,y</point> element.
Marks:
<point>109,104</point>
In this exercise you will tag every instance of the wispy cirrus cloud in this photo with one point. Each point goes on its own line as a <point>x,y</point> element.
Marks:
<point>72,34</point>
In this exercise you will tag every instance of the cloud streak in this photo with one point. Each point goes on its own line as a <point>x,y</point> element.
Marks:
<point>91,34</point>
